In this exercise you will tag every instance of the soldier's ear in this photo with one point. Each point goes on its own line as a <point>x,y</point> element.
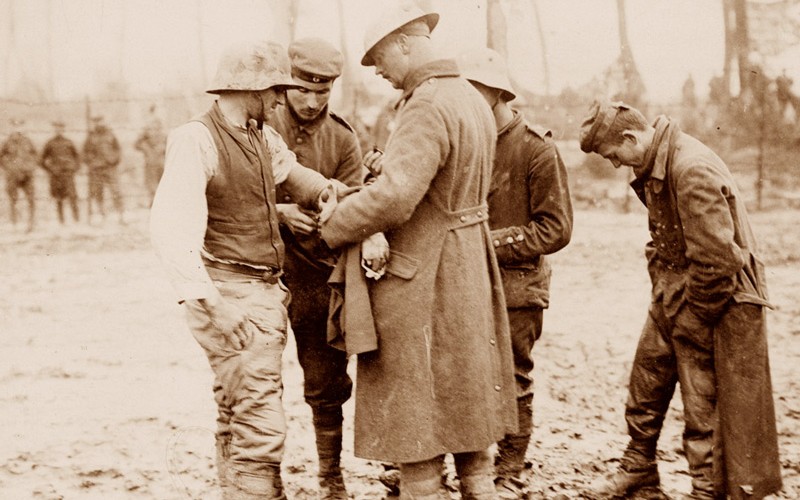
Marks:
<point>631,136</point>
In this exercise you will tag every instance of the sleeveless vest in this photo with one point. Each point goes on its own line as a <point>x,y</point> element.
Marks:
<point>242,218</point>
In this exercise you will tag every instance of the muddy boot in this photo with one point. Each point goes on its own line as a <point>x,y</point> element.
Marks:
<point>423,480</point>
<point>637,470</point>
<point>510,460</point>
<point>328,430</point>
<point>699,455</point>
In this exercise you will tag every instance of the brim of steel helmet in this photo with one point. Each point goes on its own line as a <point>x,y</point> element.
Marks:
<point>278,87</point>
<point>431,19</point>
<point>507,94</point>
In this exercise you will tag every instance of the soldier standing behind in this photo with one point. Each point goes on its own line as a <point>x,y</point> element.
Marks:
<point>326,143</point>
<point>101,153</point>
<point>153,144</point>
<point>19,160</point>
<point>60,159</point>
<point>530,214</point>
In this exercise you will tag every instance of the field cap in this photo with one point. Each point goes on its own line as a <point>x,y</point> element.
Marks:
<point>597,124</point>
<point>487,67</point>
<point>391,20</point>
<point>315,62</point>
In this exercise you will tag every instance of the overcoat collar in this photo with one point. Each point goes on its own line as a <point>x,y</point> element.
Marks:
<point>433,69</point>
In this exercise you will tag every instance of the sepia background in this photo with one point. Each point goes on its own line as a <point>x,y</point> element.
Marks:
<point>104,393</point>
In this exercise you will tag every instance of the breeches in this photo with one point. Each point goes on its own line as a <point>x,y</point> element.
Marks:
<point>326,382</point>
<point>669,353</point>
<point>251,426</point>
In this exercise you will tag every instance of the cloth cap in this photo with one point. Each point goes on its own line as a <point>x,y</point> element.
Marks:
<point>252,66</point>
<point>596,125</point>
<point>391,20</point>
<point>487,67</point>
<point>315,62</point>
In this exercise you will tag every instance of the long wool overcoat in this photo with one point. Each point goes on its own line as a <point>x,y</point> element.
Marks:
<point>704,254</point>
<point>441,380</point>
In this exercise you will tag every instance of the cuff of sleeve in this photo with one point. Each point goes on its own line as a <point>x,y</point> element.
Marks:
<point>194,291</point>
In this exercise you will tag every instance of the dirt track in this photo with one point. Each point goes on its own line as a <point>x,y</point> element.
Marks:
<point>105,395</point>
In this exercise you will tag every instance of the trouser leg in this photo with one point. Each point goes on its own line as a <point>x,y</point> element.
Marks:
<point>30,195</point>
<point>652,384</point>
<point>248,389</point>
<point>525,325</point>
<point>60,210</point>
<point>326,383</point>
<point>694,352</point>
<point>422,480</point>
<point>476,475</point>
<point>11,190</point>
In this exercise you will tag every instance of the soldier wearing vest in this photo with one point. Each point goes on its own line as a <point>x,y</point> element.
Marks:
<point>215,226</point>
<point>530,214</point>
<point>326,143</point>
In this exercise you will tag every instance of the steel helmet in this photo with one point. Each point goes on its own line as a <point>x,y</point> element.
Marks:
<point>252,66</point>
<point>391,20</point>
<point>487,67</point>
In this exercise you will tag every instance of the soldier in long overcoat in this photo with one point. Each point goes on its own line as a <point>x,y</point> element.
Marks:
<point>60,159</point>
<point>442,379</point>
<point>706,326</point>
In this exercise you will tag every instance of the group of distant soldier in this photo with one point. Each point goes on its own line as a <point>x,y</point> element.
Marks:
<point>61,159</point>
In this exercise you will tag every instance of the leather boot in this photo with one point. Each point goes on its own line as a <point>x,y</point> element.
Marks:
<point>328,430</point>
<point>637,470</point>
<point>476,475</point>
<point>510,460</point>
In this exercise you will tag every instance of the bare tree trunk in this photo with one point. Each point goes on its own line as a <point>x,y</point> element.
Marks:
<point>543,45</point>
<point>201,45</point>
<point>742,39</point>
<point>729,18</point>
<point>50,70</point>
<point>496,32</point>
<point>348,78</point>
<point>283,14</point>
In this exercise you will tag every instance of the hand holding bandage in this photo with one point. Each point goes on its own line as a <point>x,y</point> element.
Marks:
<point>375,255</point>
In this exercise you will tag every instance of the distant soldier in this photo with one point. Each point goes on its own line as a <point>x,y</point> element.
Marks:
<point>18,159</point>
<point>101,153</point>
<point>60,159</point>
<point>153,144</point>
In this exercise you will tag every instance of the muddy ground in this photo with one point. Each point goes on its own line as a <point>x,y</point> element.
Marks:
<point>105,394</point>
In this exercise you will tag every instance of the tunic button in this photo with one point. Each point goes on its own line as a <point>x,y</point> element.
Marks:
<point>463,218</point>
<point>299,140</point>
<point>479,214</point>
<point>496,243</point>
<point>509,240</point>
<point>497,388</point>
<point>287,198</point>
<point>520,237</point>
<point>492,342</point>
